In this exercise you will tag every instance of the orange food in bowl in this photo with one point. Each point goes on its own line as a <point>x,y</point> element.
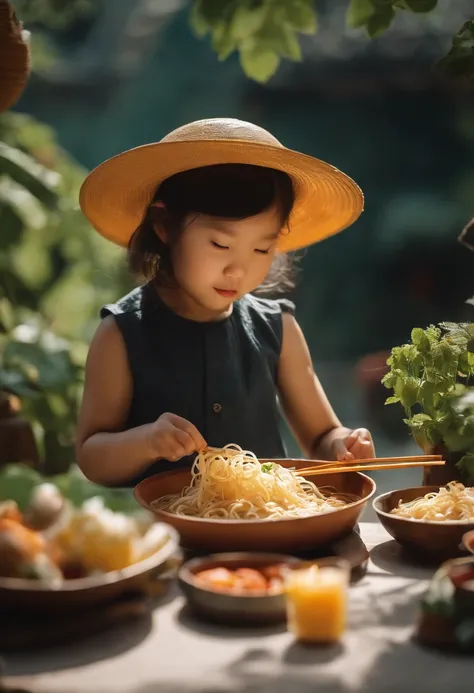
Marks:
<point>241,581</point>
<point>29,542</point>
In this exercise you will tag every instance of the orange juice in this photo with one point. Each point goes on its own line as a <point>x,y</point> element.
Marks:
<point>316,598</point>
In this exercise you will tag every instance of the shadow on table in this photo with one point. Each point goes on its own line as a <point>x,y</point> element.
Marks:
<point>391,557</point>
<point>389,606</point>
<point>105,645</point>
<point>398,667</point>
<point>188,620</point>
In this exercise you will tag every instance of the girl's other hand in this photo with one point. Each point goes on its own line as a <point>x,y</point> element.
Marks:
<point>358,445</point>
<point>172,437</point>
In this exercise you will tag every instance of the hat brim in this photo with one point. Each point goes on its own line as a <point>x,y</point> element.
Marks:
<point>115,195</point>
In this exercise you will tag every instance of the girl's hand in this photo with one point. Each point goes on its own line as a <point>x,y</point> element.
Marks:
<point>358,445</point>
<point>172,437</point>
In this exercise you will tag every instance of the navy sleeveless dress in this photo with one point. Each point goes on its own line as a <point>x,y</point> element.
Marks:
<point>220,376</point>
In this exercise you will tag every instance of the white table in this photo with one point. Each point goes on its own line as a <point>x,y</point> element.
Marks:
<point>170,653</point>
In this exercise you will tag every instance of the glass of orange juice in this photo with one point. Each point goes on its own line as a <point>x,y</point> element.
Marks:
<point>316,599</point>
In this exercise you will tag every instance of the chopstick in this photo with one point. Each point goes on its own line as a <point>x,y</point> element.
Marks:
<point>335,468</point>
<point>316,464</point>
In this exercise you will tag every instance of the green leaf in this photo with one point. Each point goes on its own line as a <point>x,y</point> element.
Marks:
<point>54,369</point>
<point>17,482</point>
<point>7,315</point>
<point>25,205</point>
<point>410,392</point>
<point>392,400</point>
<point>380,21</point>
<point>421,419</point>
<point>419,338</point>
<point>197,21</point>
<point>464,367</point>
<point>267,467</point>
<point>212,11</point>
<point>258,64</point>
<point>38,180</point>
<point>359,13</point>
<point>15,381</point>
<point>11,225</point>
<point>466,466</point>
<point>459,62</point>
<point>389,380</point>
<point>301,15</point>
<point>247,22</point>
<point>420,5</point>
<point>288,45</point>
<point>450,326</point>
<point>223,43</point>
<point>278,37</point>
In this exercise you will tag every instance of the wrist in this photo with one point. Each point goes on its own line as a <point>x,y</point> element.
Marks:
<point>151,444</point>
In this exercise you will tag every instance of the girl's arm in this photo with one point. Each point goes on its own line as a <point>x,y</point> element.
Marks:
<point>105,453</point>
<point>316,427</point>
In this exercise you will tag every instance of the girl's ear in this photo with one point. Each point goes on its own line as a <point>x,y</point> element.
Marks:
<point>158,214</point>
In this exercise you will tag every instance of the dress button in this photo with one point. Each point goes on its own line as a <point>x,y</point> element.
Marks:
<point>216,407</point>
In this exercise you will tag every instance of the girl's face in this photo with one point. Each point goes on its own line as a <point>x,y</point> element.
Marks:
<point>216,261</point>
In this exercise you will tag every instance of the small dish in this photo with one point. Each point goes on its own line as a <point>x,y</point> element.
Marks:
<point>234,609</point>
<point>436,540</point>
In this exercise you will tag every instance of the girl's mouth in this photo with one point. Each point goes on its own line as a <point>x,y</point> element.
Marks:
<point>227,293</point>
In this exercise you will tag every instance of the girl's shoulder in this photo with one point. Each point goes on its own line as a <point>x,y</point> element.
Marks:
<point>262,319</point>
<point>267,308</point>
<point>130,303</point>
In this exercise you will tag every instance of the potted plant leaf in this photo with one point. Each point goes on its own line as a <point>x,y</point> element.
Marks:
<point>430,378</point>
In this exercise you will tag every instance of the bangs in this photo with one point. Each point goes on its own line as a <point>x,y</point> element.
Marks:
<point>229,191</point>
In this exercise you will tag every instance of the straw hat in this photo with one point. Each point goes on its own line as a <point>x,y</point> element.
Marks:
<point>115,195</point>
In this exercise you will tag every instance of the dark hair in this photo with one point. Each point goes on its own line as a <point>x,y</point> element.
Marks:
<point>230,191</point>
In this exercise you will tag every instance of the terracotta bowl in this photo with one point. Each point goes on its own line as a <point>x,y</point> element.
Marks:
<point>281,536</point>
<point>231,608</point>
<point>441,540</point>
<point>18,594</point>
<point>468,541</point>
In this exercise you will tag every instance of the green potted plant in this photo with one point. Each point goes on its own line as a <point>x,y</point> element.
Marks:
<point>430,378</point>
<point>43,373</point>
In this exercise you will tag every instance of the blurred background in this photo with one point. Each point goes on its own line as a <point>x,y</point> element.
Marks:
<point>112,74</point>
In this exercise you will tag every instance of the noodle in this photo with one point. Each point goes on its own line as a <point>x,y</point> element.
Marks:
<point>455,502</point>
<point>231,484</point>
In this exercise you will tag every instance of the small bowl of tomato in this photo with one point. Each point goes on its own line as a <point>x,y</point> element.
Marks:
<point>237,588</point>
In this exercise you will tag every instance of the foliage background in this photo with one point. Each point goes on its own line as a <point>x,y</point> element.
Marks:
<point>113,74</point>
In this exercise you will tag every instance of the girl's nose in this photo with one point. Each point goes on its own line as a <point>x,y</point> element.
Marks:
<point>234,271</point>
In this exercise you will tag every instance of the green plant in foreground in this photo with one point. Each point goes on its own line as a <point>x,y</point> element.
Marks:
<point>430,378</point>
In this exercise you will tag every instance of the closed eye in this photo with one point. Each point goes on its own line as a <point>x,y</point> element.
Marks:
<point>218,245</point>
<point>262,252</point>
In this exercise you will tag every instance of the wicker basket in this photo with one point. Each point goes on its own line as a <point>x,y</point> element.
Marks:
<point>14,57</point>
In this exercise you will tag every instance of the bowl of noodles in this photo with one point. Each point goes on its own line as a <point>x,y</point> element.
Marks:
<point>229,501</point>
<point>430,520</point>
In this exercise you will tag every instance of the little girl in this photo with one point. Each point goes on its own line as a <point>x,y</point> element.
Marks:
<point>193,357</point>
